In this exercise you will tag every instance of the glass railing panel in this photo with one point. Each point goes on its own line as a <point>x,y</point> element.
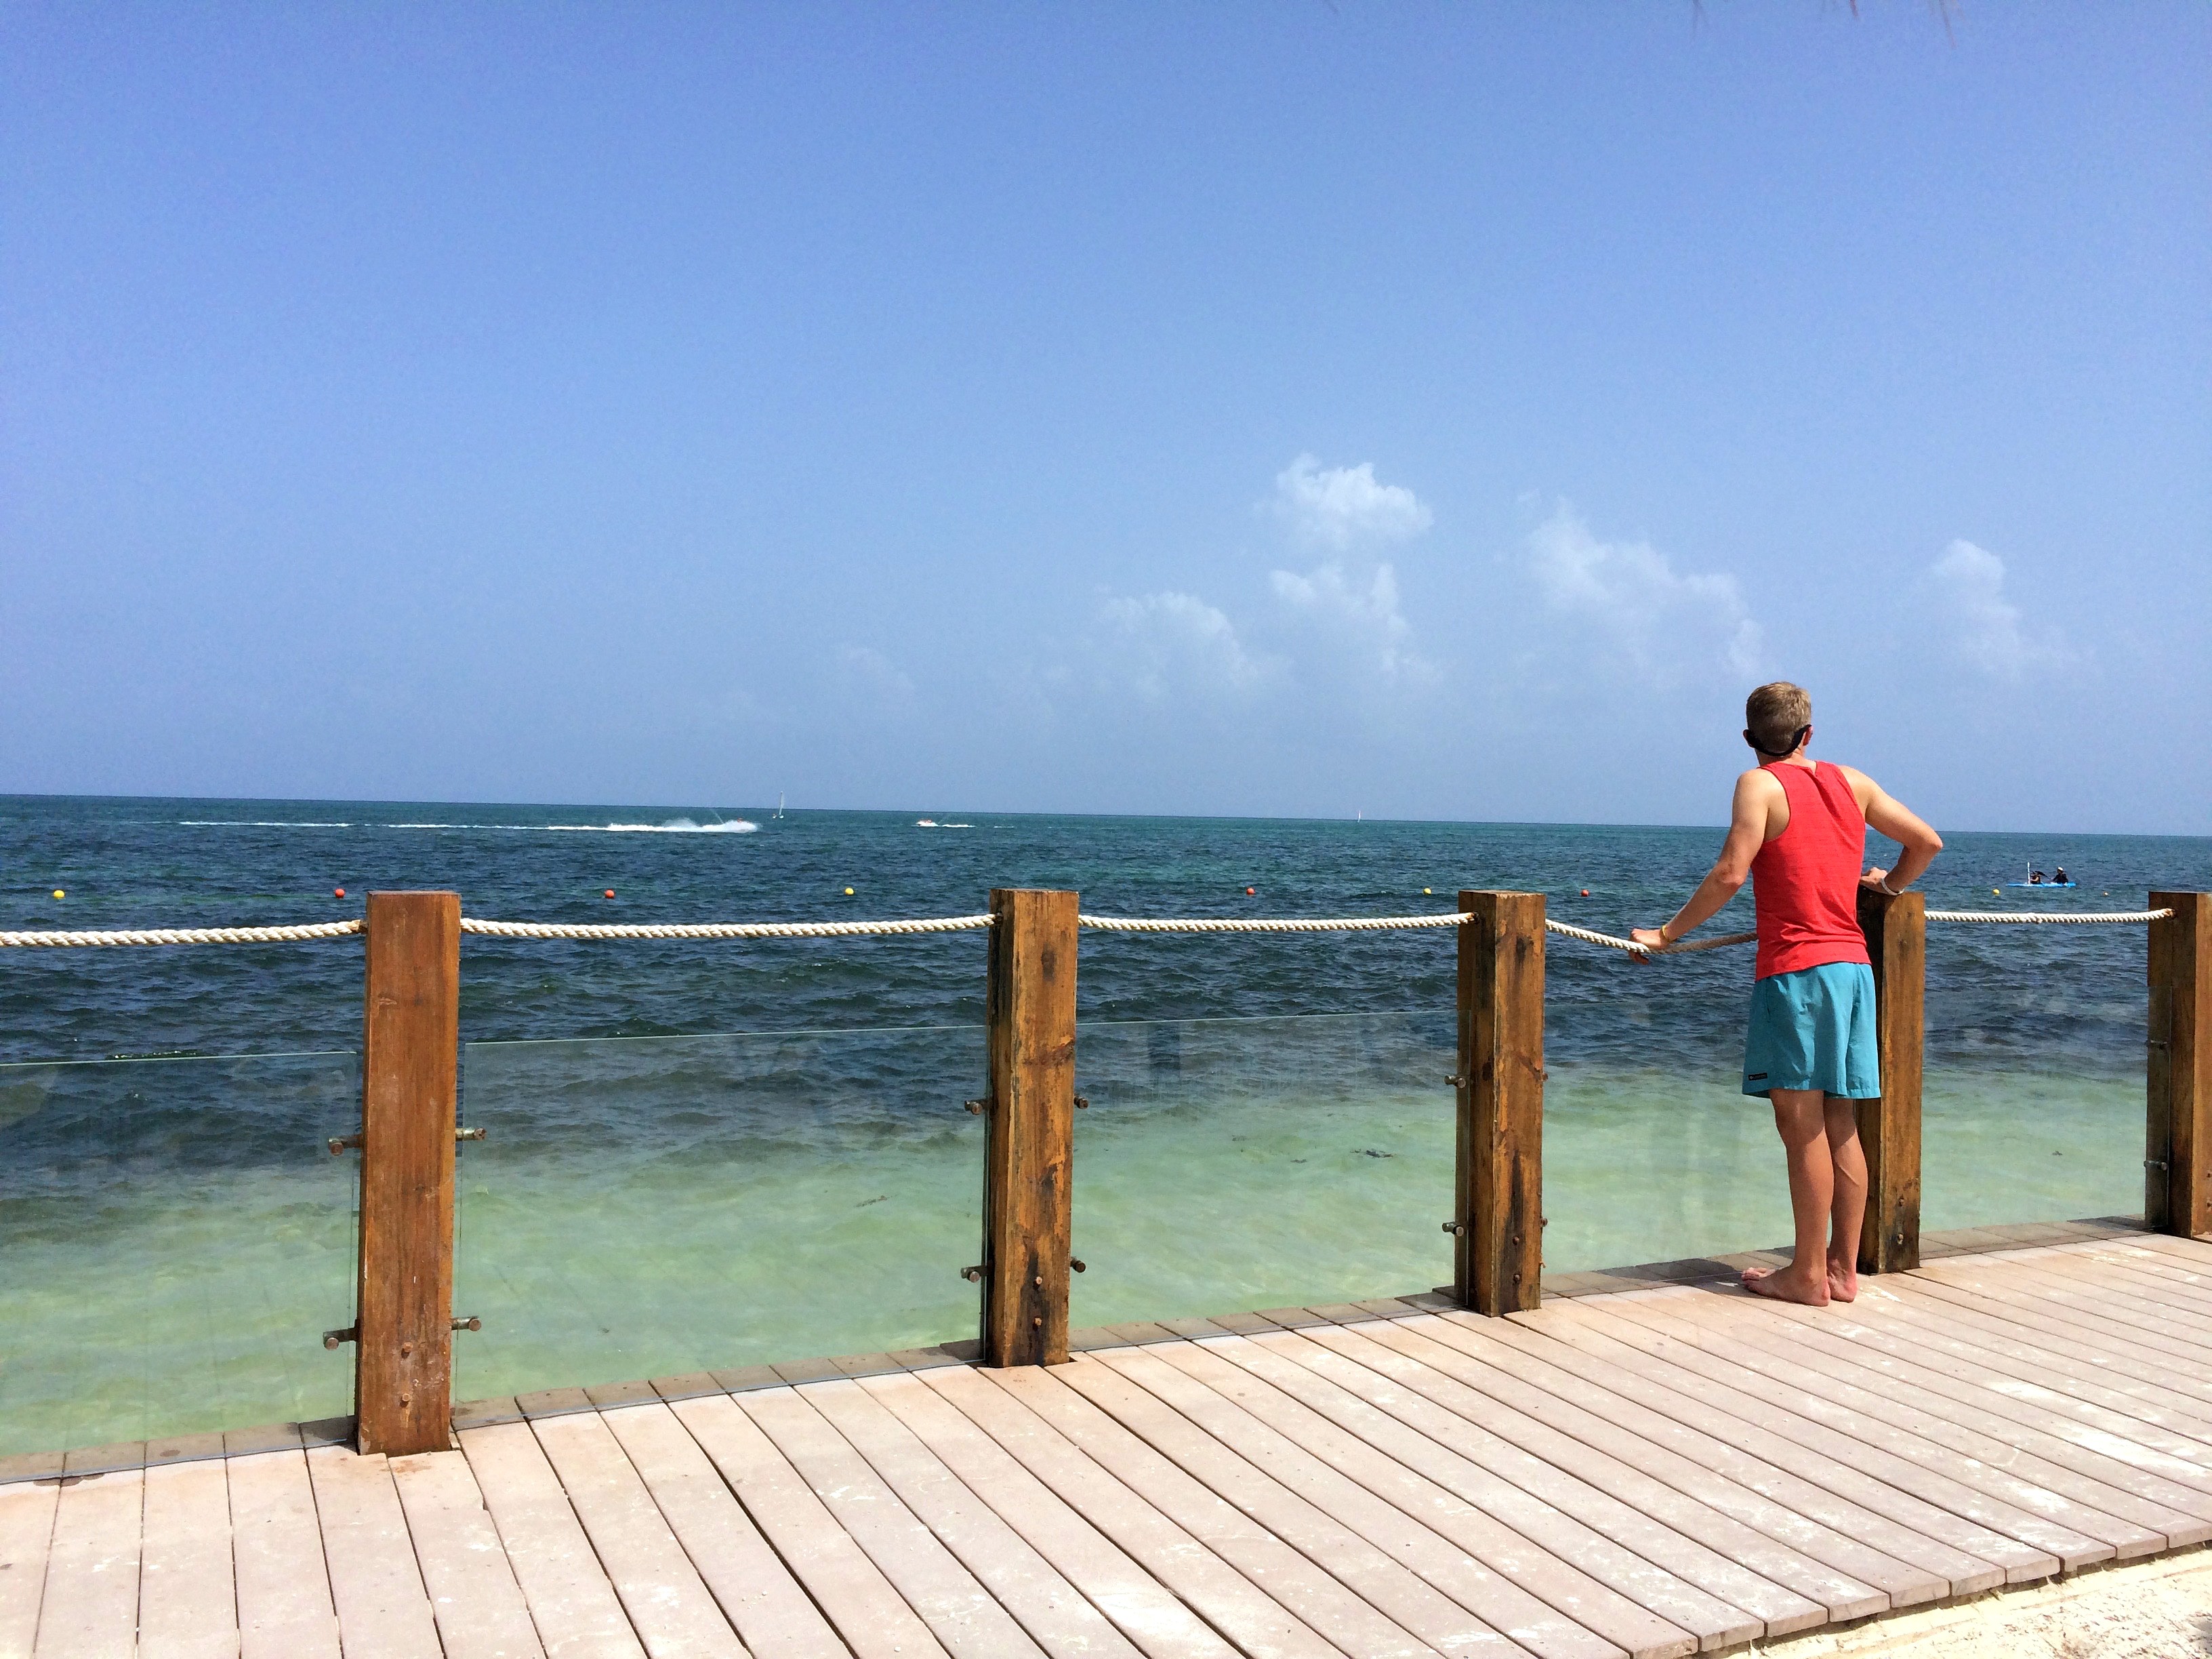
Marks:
<point>1232,1164</point>
<point>2032,1107</point>
<point>1652,1150</point>
<point>654,1206</point>
<point>175,1237</point>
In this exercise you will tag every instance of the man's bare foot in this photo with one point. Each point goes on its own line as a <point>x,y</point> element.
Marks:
<point>1787,1284</point>
<point>1842,1280</point>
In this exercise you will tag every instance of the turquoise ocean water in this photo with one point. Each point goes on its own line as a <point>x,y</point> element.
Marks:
<point>704,1155</point>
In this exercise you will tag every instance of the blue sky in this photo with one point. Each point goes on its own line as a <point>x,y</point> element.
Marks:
<point>1428,411</point>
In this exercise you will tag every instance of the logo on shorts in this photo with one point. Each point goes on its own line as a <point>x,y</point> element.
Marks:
<point>1756,1077</point>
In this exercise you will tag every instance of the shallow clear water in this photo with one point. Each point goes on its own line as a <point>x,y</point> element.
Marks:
<point>661,1192</point>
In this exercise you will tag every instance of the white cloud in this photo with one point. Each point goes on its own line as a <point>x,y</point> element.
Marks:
<point>1341,506</point>
<point>1966,584</point>
<point>1636,608</point>
<point>1366,621</point>
<point>874,676</point>
<point>1168,645</point>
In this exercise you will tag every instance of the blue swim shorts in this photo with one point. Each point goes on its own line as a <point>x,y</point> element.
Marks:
<point>1813,1029</point>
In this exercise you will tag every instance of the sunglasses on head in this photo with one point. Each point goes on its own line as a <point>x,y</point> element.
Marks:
<point>1778,754</point>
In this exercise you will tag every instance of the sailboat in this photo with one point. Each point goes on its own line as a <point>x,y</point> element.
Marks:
<point>778,808</point>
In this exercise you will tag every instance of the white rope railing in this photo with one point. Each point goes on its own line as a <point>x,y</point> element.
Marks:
<point>188,935</point>
<point>2027,918</point>
<point>707,930</point>
<point>1258,925</point>
<point>717,929</point>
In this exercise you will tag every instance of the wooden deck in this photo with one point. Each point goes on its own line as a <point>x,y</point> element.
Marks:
<point>1654,1464</point>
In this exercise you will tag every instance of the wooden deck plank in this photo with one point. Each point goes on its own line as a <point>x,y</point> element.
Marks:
<point>2102,1266</point>
<point>866,1611</point>
<point>1211,1584</point>
<point>1055,1614</point>
<point>1319,1598</point>
<point>284,1606</point>
<point>1973,1556</point>
<point>1968,1332</point>
<point>1567,1405</point>
<point>572,1604</point>
<point>1910,1567</point>
<point>1781,1607</point>
<point>90,1607</point>
<point>1936,1476</point>
<point>1541,1528</point>
<point>2108,1288</point>
<point>2155,1271</point>
<point>2019,1314</point>
<point>1841,1593</point>
<point>1135,1602</point>
<point>1419,1530</point>
<point>2098,1482</point>
<point>965,1617</point>
<point>382,1606</point>
<point>2104,1317</point>
<point>26,1536</point>
<point>668,1605</point>
<point>187,1586</point>
<point>479,1606</point>
<point>2114,1447</point>
<point>774,1615</point>
<point>1902,1429</point>
<point>1376,1574</point>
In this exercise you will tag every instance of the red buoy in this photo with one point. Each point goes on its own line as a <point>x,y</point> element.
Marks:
<point>1249,891</point>
<point>1585,892</point>
<point>340,891</point>
<point>610,892</point>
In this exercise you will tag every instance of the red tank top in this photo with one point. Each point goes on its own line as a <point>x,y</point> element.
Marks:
<point>1805,881</point>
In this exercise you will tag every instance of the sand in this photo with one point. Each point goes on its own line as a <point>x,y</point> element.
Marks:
<point>2153,1610</point>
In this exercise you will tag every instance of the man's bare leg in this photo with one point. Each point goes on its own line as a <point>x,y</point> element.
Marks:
<point>1800,1118</point>
<point>1848,1212</point>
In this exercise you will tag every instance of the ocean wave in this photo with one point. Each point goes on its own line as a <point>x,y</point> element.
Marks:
<point>673,827</point>
<point>260,824</point>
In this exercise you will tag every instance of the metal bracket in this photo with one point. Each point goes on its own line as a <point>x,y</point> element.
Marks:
<point>2156,1163</point>
<point>471,1323</point>
<point>1082,1104</point>
<point>1076,1265</point>
<point>469,1134</point>
<point>339,1143</point>
<point>351,1334</point>
<point>1455,1228</point>
<point>1456,1081</point>
<point>973,1275</point>
<point>975,1106</point>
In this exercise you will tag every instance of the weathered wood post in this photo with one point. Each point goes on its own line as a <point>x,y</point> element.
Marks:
<point>1497,1219</point>
<point>1896,928</point>
<point>2178,1072</point>
<point>1029,1134</point>
<point>409,1055</point>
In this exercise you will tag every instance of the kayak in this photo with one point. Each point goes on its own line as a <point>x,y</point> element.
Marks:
<point>2040,884</point>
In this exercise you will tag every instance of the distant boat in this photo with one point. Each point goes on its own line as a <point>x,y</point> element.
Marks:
<point>778,808</point>
<point>2037,879</point>
<point>925,824</point>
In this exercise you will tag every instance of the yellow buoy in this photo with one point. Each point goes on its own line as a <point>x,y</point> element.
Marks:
<point>848,892</point>
<point>1425,889</point>
<point>60,893</point>
<point>1993,892</point>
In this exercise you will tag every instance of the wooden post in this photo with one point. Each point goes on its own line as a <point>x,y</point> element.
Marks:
<point>410,1030</point>
<point>1896,928</point>
<point>1030,1126</point>
<point>2177,1075</point>
<point>1499,1200</point>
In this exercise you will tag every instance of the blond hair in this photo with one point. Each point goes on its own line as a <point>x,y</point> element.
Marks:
<point>1777,713</point>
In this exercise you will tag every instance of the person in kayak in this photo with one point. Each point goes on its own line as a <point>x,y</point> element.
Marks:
<point>2059,877</point>
<point>1797,833</point>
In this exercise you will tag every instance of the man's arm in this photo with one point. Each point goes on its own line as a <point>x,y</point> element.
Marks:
<point>1893,819</point>
<point>1756,793</point>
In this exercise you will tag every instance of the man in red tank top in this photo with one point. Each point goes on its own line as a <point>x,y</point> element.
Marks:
<point>1797,832</point>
